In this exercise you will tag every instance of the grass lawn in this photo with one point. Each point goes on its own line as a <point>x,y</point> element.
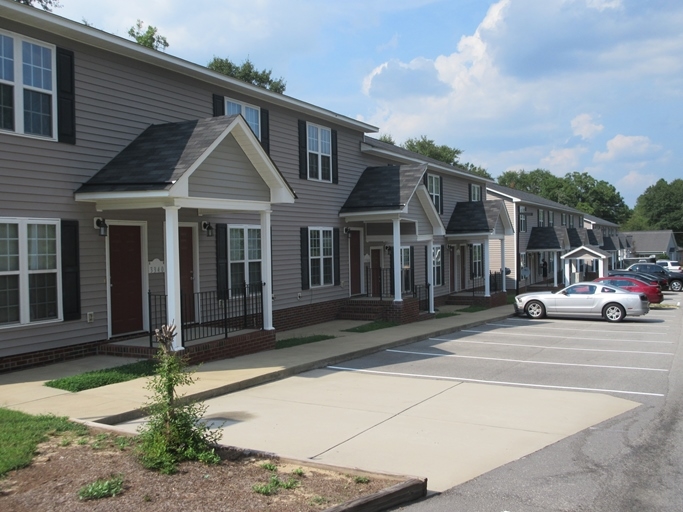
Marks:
<point>472,309</point>
<point>97,378</point>
<point>21,433</point>
<point>293,342</point>
<point>372,326</point>
<point>446,314</point>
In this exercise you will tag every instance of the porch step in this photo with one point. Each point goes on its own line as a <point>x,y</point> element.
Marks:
<point>369,310</point>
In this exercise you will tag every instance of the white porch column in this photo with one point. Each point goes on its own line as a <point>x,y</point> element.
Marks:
<point>173,304</point>
<point>266,272</point>
<point>398,296</point>
<point>601,267</point>
<point>430,273</point>
<point>556,265</point>
<point>567,271</point>
<point>502,264</point>
<point>487,269</point>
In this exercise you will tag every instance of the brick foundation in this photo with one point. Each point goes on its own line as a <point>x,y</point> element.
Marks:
<point>495,300</point>
<point>309,314</point>
<point>43,357</point>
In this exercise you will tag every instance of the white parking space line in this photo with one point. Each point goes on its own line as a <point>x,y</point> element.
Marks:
<point>563,328</point>
<point>495,382</point>
<point>552,348</point>
<point>564,337</point>
<point>526,361</point>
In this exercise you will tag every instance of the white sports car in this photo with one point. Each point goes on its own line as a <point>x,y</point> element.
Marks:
<point>584,299</point>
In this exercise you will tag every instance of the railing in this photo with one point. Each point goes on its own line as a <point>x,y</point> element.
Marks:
<point>495,283</point>
<point>379,282</point>
<point>421,292</point>
<point>206,314</point>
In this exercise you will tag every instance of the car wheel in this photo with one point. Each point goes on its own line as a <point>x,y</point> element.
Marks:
<point>675,286</point>
<point>535,309</point>
<point>614,313</point>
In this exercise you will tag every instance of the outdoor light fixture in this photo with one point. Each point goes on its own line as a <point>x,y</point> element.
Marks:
<point>102,226</point>
<point>206,226</point>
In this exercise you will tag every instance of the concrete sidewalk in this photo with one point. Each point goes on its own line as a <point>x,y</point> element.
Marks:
<point>24,390</point>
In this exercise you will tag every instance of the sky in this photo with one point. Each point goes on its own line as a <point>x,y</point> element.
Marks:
<point>591,86</point>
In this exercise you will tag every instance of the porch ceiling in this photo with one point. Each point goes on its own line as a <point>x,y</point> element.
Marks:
<point>154,169</point>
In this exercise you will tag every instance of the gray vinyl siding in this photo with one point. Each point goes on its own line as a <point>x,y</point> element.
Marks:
<point>228,174</point>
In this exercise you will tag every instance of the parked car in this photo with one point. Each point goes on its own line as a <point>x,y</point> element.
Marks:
<point>670,265</point>
<point>675,279</point>
<point>662,281</point>
<point>652,291</point>
<point>584,299</point>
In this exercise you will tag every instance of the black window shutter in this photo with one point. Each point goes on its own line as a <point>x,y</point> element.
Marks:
<point>469,188</point>
<point>305,278</point>
<point>337,264</point>
<point>335,159</point>
<point>222,260</point>
<point>303,150</point>
<point>71,273</point>
<point>412,267</point>
<point>425,180</point>
<point>66,97</point>
<point>218,105</point>
<point>443,264</point>
<point>265,130</point>
<point>391,269</point>
<point>441,194</point>
<point>471,262</point>
<point>426,264</point>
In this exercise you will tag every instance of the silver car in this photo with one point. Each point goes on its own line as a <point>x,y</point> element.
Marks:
<point>584,299</point>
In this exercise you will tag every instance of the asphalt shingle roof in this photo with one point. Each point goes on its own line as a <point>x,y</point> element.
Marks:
<point>546,238</point>
<point>474,216</point>
<point>158,157</point>
<point>385,188</point>
<point>530,198</point>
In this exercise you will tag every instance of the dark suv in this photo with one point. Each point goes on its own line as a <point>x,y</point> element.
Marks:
<point>675,279</point>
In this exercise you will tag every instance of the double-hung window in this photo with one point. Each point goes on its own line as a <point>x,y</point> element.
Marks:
<point>319,147</point>
<point>541,218</point>
<point>437,262</point>
<point>27,86</point>
<point>29,278</point>
<point>551,219</point>
<point>522,219</point>
<point>475,192</point>
<point>251,113</point>
<point>580,221</point>
<point>434,189</point>
<point>571,221</point>
<point>563,219</point>
<point>245,255</point>
<point>321,256</point>
<point>477,261</point>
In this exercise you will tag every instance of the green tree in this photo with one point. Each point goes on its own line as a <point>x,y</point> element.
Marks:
<point>475,169</point>
<point>659,207</point>
<point>386,137</point>
<point>148,37</point>
<point>48,5</point>
<point>428,147</point>
<point>595,197</point>
<point>247,72</point>
<point>539,181</point>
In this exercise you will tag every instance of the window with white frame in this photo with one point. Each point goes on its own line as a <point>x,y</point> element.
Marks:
<point>319,144</point>
<point>563,219</point>
<point>551,219</point>
<point>541,218</point>
<point>580,221</point>
<point>245,255</point>
<point>406,265</point>
<point>477,261</point>
<point>29,279</point>
<point>522,219</point>
<point>27,86</point>
<point>251,114</point>
<point>438,264</point>
<point>571,221</point>
<point>321,256</point>
<point>475,192</point>
<point>434,188</point>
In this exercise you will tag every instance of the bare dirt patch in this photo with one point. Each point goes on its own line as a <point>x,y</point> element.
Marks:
<point>64,465</point>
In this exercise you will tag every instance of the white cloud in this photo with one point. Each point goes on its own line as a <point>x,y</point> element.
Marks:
<point>564,160</point>
<point>601,5</point>
<point>623,146</point>
<point>584,127</point>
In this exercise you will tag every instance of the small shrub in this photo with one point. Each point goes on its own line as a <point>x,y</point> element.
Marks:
<point>174,432</point>
<point>298,472</point>
<point>102,488</point>
<point>269,466</point>
<point>361,479</point>
<point>319,500</point>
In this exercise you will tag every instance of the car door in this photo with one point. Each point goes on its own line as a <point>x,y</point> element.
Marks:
<point>578,299</point>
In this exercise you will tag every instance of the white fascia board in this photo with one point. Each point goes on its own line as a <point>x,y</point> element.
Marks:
<point>371,150</point>
<point>93,197</point>
<point>222,205</point>
<point>474,236</point>
<point>371,216</point>
<point>100,39</point>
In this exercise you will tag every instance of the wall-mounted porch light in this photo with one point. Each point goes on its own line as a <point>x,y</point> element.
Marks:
<point>206,226</point>
<point>101,224</point>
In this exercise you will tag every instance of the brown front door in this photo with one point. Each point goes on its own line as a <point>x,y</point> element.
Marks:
<point>186,273</point>
<point>355,256</point>
<point>375,269</point>
<point>125,267</point>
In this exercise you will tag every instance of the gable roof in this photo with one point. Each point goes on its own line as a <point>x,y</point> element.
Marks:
<point>471,217</point>
<point>527,197</point>
<point>651,242</point>
<point>553,238</point>
<point>597,220</point>
<point>583,251</point>
<point>387,188</point>
<point>163,156</point>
